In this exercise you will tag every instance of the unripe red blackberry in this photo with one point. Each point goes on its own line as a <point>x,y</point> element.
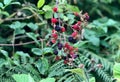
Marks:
<point>53,31</point>
<point>74,34</point>
<point>54,35</point>
<point>76,27</point>
<point>57,58</point>
<point>63,29</point>
<point>70,48</point>
<point>66,61</point>
<point>66,45</point>
<point>79,23</point>
<point>71,53</point>
<point>55,9</point>
<point>53,41</point>
<point>54,20</point>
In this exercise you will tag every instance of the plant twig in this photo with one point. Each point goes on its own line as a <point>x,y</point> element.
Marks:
<point>23,18</point>
<point>20,44</point>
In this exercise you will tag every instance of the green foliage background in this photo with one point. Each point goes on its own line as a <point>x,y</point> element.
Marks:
<point>23,54</point>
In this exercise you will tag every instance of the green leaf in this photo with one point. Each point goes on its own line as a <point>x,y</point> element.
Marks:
<point>92,79</point>
<point>4,13</point>
<point>91,37</point>
<point>5,53</point>
<point>73,8</point>
<point>19,31</point>
<point>37,51</point>
<point>70,16</point>
<point>78,71</point>
<point>116,70</point>
<point>32,26</point>
<point>17,25</point>
<point>80,44</point>
<point>33,36</point>
<point>42,65</point>
<point>23,78</point>
<point>2,62</point>
<point>20,53</point>
<point>94,40</point>
<point>40,3</point>
<point>7,2</point>
<point>1,5</point>
<point>47,8</point>
<point>48,80</point>
<point>47,50</point>
<point>65,18</point>
<point>16,3</point>
<point>48,14</point>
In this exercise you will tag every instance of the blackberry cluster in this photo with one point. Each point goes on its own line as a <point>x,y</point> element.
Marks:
<point>62,41</point>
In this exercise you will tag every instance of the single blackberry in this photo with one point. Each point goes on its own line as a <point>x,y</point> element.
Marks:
<point>72,40</point>
<point>57,28</point>
<point>64,57</point>
<point>60,46</point>
<point>55,52</point>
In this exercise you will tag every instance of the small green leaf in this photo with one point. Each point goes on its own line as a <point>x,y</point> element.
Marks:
<point>91,37</point>
<point>16,3</point>
<point>32,26</point>
<point>65,18</point>
<point>48,14</point>
<point>116,70</point>
<point>17,25</point>
<point>2,62</point>
<point>1,5</point>
<point>5,53</point>
<point>47,8</point>
<point>19,31</point>
<point>47,50</point>
<point>92,79</point>
<point>42,65</point>
<point>37,51</point>
<point>73,8</point>
<point>40,3</point>
<point>80,44</point>
<point>23,78</point>
<point>20,53</point>
<point>33,36</point>
<point>7,2</point>
<point>48,80</point>
<point>4,13</point>
<point>78,71</point>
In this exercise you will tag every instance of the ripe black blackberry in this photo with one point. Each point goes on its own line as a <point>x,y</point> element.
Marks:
<point>55,52</point>
<point>57,28</point>
<point>72,40</point>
